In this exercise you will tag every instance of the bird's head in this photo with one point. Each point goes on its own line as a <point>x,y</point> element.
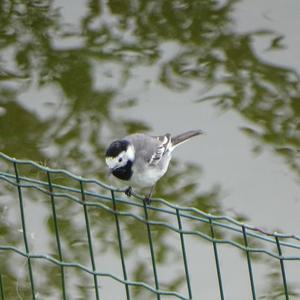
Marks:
<point>119,158</point>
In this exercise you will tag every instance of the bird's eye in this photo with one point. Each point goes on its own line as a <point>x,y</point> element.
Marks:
<point>120,159</point>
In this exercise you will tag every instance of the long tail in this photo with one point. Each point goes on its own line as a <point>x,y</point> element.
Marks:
<point>181,138</point>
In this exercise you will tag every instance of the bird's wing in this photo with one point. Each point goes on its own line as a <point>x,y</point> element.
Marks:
<point>164,145</point>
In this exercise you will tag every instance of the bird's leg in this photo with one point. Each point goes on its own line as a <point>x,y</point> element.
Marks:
<point>148,198</point>
<point>128,191</point>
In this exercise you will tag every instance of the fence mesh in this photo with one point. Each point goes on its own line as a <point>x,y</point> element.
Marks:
<point>64,195</point>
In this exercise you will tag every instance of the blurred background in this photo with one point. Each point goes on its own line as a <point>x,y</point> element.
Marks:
<point>76,75</point>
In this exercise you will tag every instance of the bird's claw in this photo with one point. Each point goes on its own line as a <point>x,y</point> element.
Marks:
<point>147,200</point>
<point>128,191</point>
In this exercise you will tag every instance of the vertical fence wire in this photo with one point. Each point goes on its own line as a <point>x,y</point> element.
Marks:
<point>151,250</point>
<point>21,204</point>
<point>88,231</point>
<point>282,268</point>
<point>120,244</point>
<point>58,243</point>
<point>187,276</point>
<point>250,271</point>
<point>216,259</point>
<point>1,288</point>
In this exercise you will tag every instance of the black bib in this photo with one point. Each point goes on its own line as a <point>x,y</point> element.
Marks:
<point>124,173</point>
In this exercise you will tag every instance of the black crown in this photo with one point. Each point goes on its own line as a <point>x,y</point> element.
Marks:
<point>116,148</point>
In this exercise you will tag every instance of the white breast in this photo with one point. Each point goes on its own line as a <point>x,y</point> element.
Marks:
<point>150,175</point>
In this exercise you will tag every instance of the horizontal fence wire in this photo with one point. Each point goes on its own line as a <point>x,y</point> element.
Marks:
<point>91,194</point>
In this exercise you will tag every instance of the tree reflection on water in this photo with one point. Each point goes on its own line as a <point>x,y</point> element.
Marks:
<point>50,66</point>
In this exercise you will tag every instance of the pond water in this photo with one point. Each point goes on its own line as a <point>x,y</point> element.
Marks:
<point>76,76</point>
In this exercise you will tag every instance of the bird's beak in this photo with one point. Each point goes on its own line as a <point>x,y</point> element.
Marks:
<point>109,172</point>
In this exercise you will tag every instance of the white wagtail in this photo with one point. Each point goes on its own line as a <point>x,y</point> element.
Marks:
<point>142,159</point>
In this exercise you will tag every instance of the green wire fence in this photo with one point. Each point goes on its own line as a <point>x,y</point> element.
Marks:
<point>60,190</point>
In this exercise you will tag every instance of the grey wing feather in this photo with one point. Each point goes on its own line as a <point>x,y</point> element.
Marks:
<point>150,148</point>
<point>162,148</point>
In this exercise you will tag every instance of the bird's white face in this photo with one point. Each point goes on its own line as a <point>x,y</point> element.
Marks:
<point>121,159</point>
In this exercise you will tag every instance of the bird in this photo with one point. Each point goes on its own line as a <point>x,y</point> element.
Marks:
<point>141,159</point>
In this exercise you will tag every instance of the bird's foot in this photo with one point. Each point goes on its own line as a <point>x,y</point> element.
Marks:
<point>128,191</point>
<point>147,200</point>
